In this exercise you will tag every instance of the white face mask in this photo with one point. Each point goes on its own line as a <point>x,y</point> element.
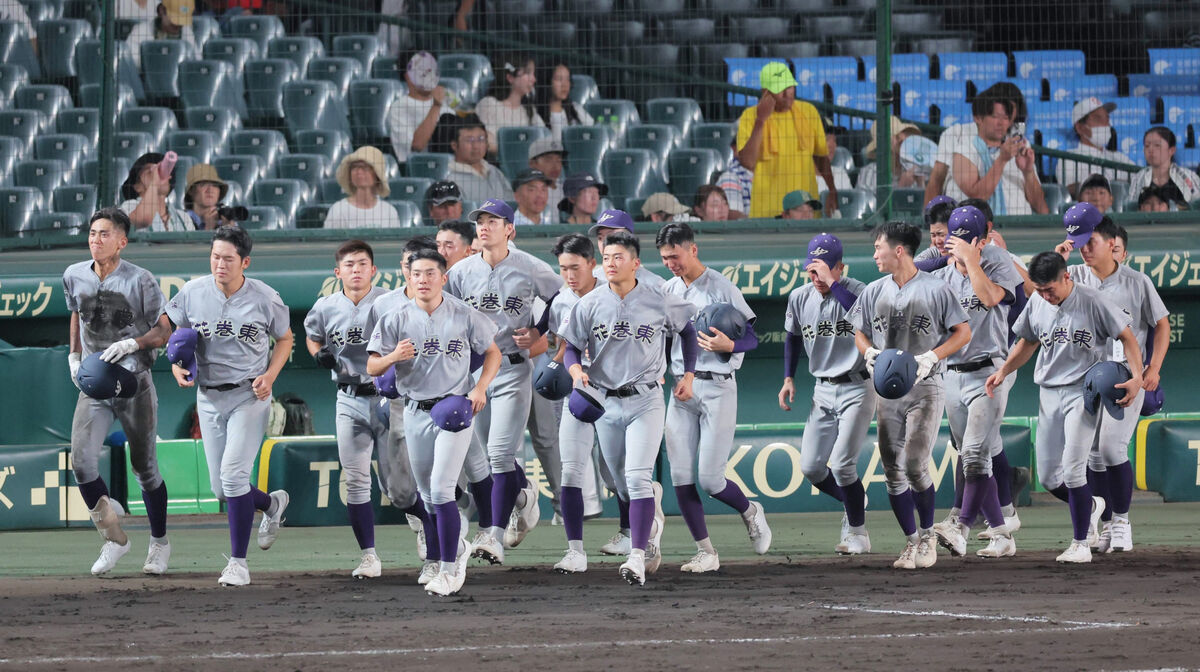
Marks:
<point>1101,135</point>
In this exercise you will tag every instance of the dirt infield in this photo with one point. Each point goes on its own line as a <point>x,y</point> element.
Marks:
<point>1127,611</point>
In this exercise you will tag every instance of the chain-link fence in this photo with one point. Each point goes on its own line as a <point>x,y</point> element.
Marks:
<point>632,104</point>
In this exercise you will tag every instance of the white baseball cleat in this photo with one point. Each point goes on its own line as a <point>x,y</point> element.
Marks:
<point>445,583</point>
<point>926,553</point>
<point>573,562</point>
<point>701,562</point>
<point>368,568</point>
<point>1000,545</point>
<point>460,561</point>
<point>907,557</point>
<point>524,517</point>
<point>487,547</point>
<point>854,543</point>
<point>157,558</point>
<point>633,570</point>
<point>441,585</point>
<point>654,545</point>
<point>235,574</point>
<point>415,524</point>
<point>1104,539</point>
<point>950,520</point>
<point>107,519</point>
<point>1093,534</point>
<point>1122,535</point>
<point>1078,551</point>
<point>845,531</point>
<point>659,516</point>
<point>618,544</point>
<point>1012,524</point>
<point>429,570</point>
<point>756,526</point>
<point>110,553</point>
<point>268,529</point>
<point>952,538</point>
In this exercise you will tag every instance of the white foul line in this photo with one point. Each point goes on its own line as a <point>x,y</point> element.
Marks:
<point>975,617</point>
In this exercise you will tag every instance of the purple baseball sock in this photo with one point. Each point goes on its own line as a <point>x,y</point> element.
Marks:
<point>481,492</point>
<point>1101,487</point>
<point>971,496</point>
<point>829,486</point>
<point>641,515</point>
<point>990,504</point>
<point>1081,511</point>
<point>623,513</point>
<point>417,509</point>
<point>1120,487</point>
<point>262,501</point>
<point>924,500</point>
<point>902,506</point>
<point>733,496</point>
<point>92,491</point>
<point>692,510</point>
<point>1002,474</point>
<point>505,487</point>
<point>156,510</point>
<point>362,521</point>
<point>1062,493</point>
<point>979,495</point>
<point>522,479</point>
<point>433,546</point>
<point>855,503</point>
<point>449,530</point>
<point>960,484</point>
<point>572,512</point>
<point>240,512</point>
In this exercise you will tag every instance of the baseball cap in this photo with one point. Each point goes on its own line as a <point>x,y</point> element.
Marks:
<point>452,414</point>
<point>546,145</point>
<point>663,202</point>
<point>530,175</point>
<point>1087,106</point>
<point>180,12</point>
<point>798,198</point>
<point>826,247</point>
<point>967,223</point>
<point>1080,221</point>
<point>936,201</point>
<point>612,219</point>
<point>585,405</point>
<point>423,70</point>
<point>492,206</point>
<point>1095,180</point>
<point>577,183</point>
<point>442,192</point>
<point>775,77</point>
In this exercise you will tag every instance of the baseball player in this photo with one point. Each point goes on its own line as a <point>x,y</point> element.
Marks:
<point>429,342</point>
<point>913,311</point>
<point>843,397</point>
<point>502,282</point>
<point>699,430</point>
<point>337,340</point>
<point>1133,293</point>
<point>937,218</point>
<point>619,220</point>
<point>117,310</point>
<point>454,238</point>
<point>235,318</point>
<point>984,290</point>
<point>622,327</point>
<point>1073,324</point>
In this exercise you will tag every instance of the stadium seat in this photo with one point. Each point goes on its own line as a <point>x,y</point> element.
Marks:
<point>474,69</point>
<point>950,114</point>
<point>844,159</point>
<point>411,189</point>
<point>89,96</point>
<point>204,28</point>
<point>908,201</point>
<point>312,217</point>
<point>60,222</point>
<point>362,48</point>
<point>944,45</point>
<point>917,96</point>
<point>211,83</point>
<point>236,51</point>
<point>1049,115</point>
<point>299,50</point>
<point>859,45</point>
<point>905,68</point>
<point>1031,89</point>
<point>715,136</point>
<point>907,24</point>
<point>691,168</point>
<point>682,113</point>
<point>1129,139</point>
<point>308,105</point>
<point>585,147</point>
<point>1130,111</point>
<point>329,191</point>
<point>264,218</point>
<point>57,41</point>
<point>77,198</point>
<point>386,67</point>
<point>89,173</point>
<point>1177,110</point>
<point>1188,157</point>
<point>10,154</point>
<point>199,145</point>
<point>69,148</point>
<point>1049,64</point>
<point>83,121</point>
<point>1057,197</point>
<point>23,125</point>
<point>610,33</point>
<point>586,8</point>
<point>1053,139</point>
<point>156,121</point>
<point>16,49</point>
<point>48,99</point>
<point>17,207</point>
<point>264,80</point>
<point>160,67</point>
<point>41,175</point>
<point>790,50</point>
<point>555,34</point>
<point>333,145</point>
<point>833,25</point>
<point>1152,87</point>
<point>308,168</point>
<point>408,212</point>
<point>974,65</point>
<point>132,144</point>
<point>1120,194</point>
<point>1075,88</point>
<point>260,28</point>
<point>618,114</point>
<point>689,30</point>
<point>648,59</point>
<point>338,71</point>
<point>219,121</point>
<point>287,195</point>
<point>369,102</point>
<point>42,10</point>
<point>513,143</point>
<point>660,139</point>
<point>1174,61</point>
<point>812,73</point>
<point>267,145</point>
<point>583,89</point>
<point>852,203</point>
<point>858,95</point>
<point>429,165</point>
<point>89,67</point>
<point>630,173</point>
<point>12,77</point>
<point>707,61</point>
<point>242,169</point>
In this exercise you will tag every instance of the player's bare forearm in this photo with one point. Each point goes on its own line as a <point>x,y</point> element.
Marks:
<point>1133,353</point>
<point>561,354</point>
<point>1020,353</point>
<point>157,336</point>
<point>313,346</point>
<point>990,294</point>
<point>1162,341</point>
<point>967,177</point>
<point>76,343</point>
<point>491,366</point>
<point>960,335</point>
<point>748,154</point>
<point>862,342</point>
<point>376,365</point>
<point>540,346</point>
<point>280,354</point>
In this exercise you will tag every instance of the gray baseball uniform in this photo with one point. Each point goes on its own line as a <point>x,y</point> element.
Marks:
<point>125,304</point>
<point>233,349</point>
<point>340,325</point>
<point>700,430</point>
<point>916,317</point>
<point>843,397</point>
<point>1073,335</point>
<point>395,473</point>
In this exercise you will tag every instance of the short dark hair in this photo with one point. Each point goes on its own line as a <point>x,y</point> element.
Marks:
<point>115,215</point>
<point>986,100</point>
<point>1046,267</point>
<point>574,243</point>
<point>705,191</point>
<point>236,236</point>
<point>1010,91</point>
<point>981,204</point>
<point>673,234</point>
<point>353,247</point>
<point>464,123</point>
<point>461,227</point>
<point>1107,229</point>
<point>1124,236</point>
<point>939,214</point>
<point>626,240</point>
<point>899,233</point>
<point>418,243</point>
<point>425,253</point>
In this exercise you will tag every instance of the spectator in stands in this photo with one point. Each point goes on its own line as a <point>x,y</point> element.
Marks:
<point>147,197</point>
<point>1094,130</point>
<point>710,205</point>
<point>581,200</point>
<point>952,136</point>
<point>783,141</point>
<point>516,108</point>
<point>15,12</point>
<point>800,205</point>
<point>173,21</point>
<point>361,177</point>
<point>390,35</point>
<point>841,178</point>
<point>993,165</point>
<point>1151,200</point>
<point>1175,183</point>
<point>663,207</point>
<point>547,155</point>
<point>531,191</point>
<point>903,175</point>
<point>554,104</point>
<point>139,10</point>
<point>443,201</point>
<point>204,192</point>
<point>454,238</point>
<point>412,119</point>
<point>476,178</point>
<point>1096,190</point>
<point>738,183</point>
